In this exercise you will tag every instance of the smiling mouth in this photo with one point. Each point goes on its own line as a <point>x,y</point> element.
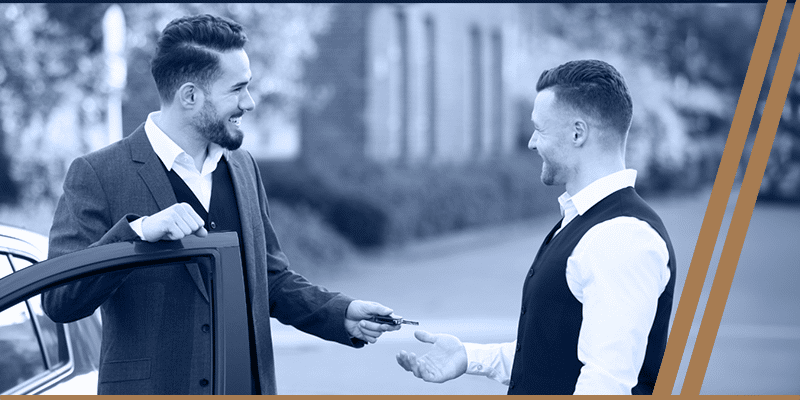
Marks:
<point>237,120</point>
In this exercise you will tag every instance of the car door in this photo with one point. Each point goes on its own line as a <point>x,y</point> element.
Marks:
<point>38,354</point>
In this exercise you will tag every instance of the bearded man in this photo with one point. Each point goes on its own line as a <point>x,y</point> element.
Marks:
<point>179,173</point>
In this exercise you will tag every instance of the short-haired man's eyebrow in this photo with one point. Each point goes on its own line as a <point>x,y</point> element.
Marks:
<point>241,84</point>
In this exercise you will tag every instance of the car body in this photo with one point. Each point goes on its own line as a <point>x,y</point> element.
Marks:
<point>45,357</point>
<point>41,356</point>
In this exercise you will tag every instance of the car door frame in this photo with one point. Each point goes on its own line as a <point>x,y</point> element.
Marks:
<point>65,366</point>
<point>229,316</point>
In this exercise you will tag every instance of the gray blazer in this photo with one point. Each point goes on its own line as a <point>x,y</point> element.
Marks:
<point>155,320</point>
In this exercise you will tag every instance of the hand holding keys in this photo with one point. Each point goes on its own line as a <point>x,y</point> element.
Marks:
<point>391,320</point>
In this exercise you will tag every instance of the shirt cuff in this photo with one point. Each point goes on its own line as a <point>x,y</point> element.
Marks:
<point>490,360</point>
<point>474,367</point>
<point>136,225</point>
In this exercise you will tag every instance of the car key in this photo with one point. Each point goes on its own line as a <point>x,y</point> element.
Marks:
<point>390,320</point>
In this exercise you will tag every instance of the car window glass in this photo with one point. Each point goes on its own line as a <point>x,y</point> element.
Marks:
<point>48,331</point>
<point>5,265</point>
<point>20,262</point>
<point>174,294</point>
<point>22,357</point>
<point>47,328</point>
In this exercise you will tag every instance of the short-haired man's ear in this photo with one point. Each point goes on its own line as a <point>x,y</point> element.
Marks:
<point>188,95</point>
<point>580,132</point>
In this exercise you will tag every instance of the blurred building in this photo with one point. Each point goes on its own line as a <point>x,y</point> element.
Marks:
<point>414,83</point>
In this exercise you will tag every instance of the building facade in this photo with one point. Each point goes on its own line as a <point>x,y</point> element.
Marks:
<point>438,82</point>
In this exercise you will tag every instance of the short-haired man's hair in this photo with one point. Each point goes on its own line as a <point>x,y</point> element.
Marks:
<point>593,87</point>
<point>188,51</point>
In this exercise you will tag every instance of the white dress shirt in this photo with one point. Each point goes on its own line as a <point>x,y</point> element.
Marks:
<point>617,271</point>
<point>174,158</point>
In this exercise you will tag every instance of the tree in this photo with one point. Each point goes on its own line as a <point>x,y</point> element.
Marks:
<point>52,97</point>
<point>690,40</point>
<point>43,65</point>
<point>683,64</point>
<point>781,180</point>
<point>281,37</point>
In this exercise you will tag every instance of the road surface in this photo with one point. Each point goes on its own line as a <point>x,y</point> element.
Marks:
<point>469,284</point>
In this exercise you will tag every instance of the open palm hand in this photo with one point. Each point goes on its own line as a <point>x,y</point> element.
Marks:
<point>446,360</point>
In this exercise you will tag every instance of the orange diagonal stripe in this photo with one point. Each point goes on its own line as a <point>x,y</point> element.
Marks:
<point>720,193</point>
<point>744,208</point>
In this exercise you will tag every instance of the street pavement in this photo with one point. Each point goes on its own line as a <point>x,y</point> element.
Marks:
<point>757,350</point>
<point>469,284</point>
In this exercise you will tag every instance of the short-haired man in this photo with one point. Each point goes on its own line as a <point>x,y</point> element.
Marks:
<point>181,173</point>
<point>596,302</point>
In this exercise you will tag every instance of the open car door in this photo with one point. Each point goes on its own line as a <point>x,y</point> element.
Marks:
<point>42,359</point>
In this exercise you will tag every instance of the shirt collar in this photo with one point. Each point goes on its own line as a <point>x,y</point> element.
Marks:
<point>168,151</point>
<point>596,191</point>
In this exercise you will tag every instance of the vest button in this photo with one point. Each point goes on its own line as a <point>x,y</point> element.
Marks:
<point>205,328</point>
<point>523,310</point>
<point>511,384</point>
<point>203,382</point>
<point>213,225</point>
<point>530,273</point>
<point>519,347</point>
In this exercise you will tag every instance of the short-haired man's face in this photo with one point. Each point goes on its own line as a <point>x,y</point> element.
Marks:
<point>551,138</point>
<point>226,102</point>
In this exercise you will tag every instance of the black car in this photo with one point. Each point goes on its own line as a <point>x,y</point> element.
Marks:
<point>44,357</point>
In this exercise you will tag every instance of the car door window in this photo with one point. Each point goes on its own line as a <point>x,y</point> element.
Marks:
<point>22,357</point>
<point>48,331</point>
<point>5,265</point>
<point>212,324</point>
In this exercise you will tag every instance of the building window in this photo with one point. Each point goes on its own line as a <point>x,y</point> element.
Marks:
<point>402,35</point>
<point>476,80</point>
<point>497,91</point>
<point>430,84</point>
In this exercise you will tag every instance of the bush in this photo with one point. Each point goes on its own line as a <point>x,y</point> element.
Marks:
<point>423,202</point>
<point>374,204</point>
<point>311,245</point>
<point>363,223</point>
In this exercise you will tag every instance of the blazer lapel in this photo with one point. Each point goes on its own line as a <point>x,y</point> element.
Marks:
<point>245,200</point>
<point>152,170</point>
<point>153,175</point>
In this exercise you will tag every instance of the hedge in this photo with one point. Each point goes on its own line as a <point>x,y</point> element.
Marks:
<point>376,204</point>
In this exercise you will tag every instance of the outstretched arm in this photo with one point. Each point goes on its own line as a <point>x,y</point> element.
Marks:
<point>356,320</point>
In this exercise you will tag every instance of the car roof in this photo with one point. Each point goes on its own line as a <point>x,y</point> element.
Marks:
<point>23,242</point>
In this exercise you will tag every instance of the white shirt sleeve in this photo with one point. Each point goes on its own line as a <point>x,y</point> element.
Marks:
<point>617,271</point>
<point>136,225</point>
<point>491,360</point>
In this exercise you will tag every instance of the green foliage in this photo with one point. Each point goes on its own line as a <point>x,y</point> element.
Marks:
<point>46,69</point>
<point>310,244</point>
<point>690,40</point>
<point>683,65</point>
<point>781,180</point>
<point>52,86</point>
<point>292,183</point>
<point>281,37</point>
<point>377,205</point>
<point>425,202</point>
<point>9,189</point>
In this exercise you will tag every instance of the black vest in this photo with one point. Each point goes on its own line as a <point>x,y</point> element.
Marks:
<point>222,216</point>
<point>546,361</point>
